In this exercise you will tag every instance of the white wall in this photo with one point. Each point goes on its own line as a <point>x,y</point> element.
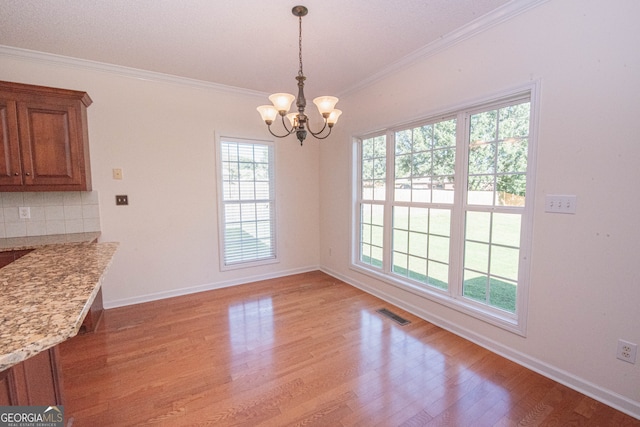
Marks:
<point>585,292</point>
<point>162,135</point>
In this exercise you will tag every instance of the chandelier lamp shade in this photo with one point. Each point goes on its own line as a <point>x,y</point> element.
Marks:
<point>298,123</point>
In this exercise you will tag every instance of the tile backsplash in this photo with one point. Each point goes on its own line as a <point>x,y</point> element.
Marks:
<point>61,212</point>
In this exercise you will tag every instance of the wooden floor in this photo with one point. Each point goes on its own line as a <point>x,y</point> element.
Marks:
<point>305,350</point>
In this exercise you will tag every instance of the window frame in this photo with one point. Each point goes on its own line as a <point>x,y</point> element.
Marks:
<point>453,296</point>
<point>273,258</point>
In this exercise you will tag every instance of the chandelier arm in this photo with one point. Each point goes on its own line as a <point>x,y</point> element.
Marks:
<point>280,136</point>
<point>284,124</point>
<point>315,135</point>
<point>320,131</point>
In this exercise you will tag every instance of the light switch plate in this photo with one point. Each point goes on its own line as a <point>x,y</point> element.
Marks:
<point>117,173</point>
<point>555,203</point>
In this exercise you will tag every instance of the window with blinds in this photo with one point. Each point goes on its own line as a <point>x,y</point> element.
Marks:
<point>247,202</point>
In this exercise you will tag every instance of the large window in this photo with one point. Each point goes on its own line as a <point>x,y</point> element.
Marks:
<point>247,200</point>
<point>442,208</point>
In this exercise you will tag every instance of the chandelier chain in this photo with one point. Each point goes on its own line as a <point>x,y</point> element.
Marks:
<point>300,44</point>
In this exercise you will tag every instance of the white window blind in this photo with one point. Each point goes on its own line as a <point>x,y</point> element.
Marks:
<point>248,202</point>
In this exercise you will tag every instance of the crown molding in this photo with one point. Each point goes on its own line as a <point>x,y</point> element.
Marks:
<point>483,23</point>
<point>66,61</point>
<point>477,26</point>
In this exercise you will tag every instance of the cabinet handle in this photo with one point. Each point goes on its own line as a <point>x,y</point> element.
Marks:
<point>28,174</point>
<point>16,174</point>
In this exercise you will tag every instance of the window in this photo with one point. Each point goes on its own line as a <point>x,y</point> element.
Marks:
<point>247,200</point>
<point>442,208</point>
<point>423,198</point>
<point>496,190</point>
<point>373,191</point>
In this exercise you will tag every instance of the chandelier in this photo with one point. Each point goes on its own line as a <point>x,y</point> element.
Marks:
<point>299,122</point>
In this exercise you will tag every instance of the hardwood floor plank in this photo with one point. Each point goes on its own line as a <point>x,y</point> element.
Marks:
<point>303,350</point>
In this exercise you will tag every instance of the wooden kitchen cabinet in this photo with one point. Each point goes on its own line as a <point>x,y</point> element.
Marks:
<point>35,382</point>
<point>94,315</point>
<point>44,141</point>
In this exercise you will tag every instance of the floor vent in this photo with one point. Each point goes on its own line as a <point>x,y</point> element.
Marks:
<point>391,315</point>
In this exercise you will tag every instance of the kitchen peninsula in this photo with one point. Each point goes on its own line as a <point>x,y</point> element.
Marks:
<point>45,296</point>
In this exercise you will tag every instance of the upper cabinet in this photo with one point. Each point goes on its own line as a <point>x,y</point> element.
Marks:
<point>44,141</point>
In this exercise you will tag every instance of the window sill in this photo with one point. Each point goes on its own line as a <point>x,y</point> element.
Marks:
<point>247,264</point>
<point>507,321</point>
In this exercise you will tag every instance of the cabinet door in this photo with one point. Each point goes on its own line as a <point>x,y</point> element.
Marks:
<point>38,381</point>
<point>50,137</point>
<point>7,388</point>
<point>10,173</point>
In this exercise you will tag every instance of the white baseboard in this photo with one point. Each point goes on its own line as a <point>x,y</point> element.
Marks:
<point>568,379</point>
<point>201,288</point>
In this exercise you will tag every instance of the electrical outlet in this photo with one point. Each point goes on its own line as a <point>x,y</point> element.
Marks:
<point>122,200</point>
<point>627,351</point>
<point>24,212</point>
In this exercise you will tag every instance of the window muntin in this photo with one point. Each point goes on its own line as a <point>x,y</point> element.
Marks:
<point>498,146</point>
<point>425,163</point>
<point>454,212</point>
<point>372,229</point>
<point>497,165</point>
<point>491,258</point>
<point>421,244</point>
<point>424,160</point>
<point>374,168</point>
<point>248,202</point>
<point>373,176</point>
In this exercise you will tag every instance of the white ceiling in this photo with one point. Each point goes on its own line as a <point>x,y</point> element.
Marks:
<point>249,44</point>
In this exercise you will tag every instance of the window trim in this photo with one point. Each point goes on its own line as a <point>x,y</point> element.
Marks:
<point>452,298</point>
<point>221,204</point>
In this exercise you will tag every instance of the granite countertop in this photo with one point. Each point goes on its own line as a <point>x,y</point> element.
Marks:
<point>46,294</point>
<point>32,242</point>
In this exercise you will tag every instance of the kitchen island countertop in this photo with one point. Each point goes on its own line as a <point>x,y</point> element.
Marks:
<point>46,294</point>
<point>32,242</point>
